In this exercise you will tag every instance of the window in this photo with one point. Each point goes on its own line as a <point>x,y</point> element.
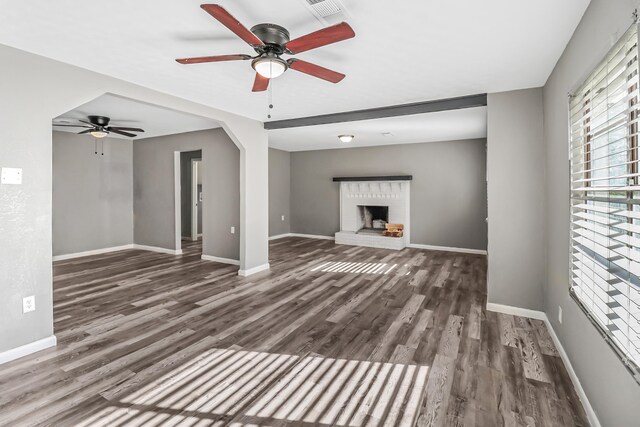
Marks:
<point>605,199</point>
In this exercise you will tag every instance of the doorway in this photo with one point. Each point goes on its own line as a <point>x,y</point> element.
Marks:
<point>191,169</point>
<point>196,199</point>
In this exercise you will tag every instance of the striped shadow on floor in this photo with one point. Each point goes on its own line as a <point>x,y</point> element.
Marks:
<point>236,387</point>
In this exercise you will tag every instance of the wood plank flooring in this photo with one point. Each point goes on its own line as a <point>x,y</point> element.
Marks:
<point>331,336</point>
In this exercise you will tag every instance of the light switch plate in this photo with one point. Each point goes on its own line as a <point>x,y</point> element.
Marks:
<point>233,230</point>
<point>11,176</point>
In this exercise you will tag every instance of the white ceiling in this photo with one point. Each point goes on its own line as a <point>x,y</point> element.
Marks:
<point>405,51</point>
<point>452,125</point>
<point>155,120</point>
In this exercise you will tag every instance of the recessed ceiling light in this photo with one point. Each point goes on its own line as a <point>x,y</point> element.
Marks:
<point>346,138</point>
<point>387,134</point>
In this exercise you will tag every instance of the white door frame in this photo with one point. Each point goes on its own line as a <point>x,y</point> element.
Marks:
<point>177,200</point>
<point>177,204</point>
<point>195,197</point>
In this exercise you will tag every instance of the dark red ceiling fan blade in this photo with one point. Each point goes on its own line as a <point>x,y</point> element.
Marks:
<point>217,58</point>
<point>86,131</point>
<point>333,34</point>
<point>231,23</point>
<point>260,84</point>
<point>130,135</point>
<point>112,128</point>
<point>315,70</point>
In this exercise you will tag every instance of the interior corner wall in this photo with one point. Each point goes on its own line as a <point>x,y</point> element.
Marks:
<point>154,197</point>
<point>279,192</point>
<point>448,191</point>
<point>515,189</point>
<point>92,193</point>
<point>612,391</point>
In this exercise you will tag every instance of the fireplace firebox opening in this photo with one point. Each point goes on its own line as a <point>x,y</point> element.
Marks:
<point>372,218</point>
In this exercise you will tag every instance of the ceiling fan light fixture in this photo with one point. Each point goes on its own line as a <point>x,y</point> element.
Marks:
<point>269,66</point>
<point>346,138</point>
<point>99,133</point>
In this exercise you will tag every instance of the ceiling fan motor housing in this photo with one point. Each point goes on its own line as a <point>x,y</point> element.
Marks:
<point>275,39</point>
<point>99,120</point>
<point>273,36</point>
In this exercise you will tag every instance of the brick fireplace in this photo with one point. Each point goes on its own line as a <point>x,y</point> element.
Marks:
<point>366,202</point>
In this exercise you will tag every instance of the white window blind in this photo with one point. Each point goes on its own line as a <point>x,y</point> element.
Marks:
<point>605,199</point>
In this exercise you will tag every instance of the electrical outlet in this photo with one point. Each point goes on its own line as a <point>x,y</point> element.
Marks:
<point>283,217</point>
<point>28,304</point>
<point>11,176</point>
<point>559,314</point>
<point>233,230</point>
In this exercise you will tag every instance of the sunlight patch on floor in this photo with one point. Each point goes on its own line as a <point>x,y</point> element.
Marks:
<point>355,267</point>
<point>258,388</point>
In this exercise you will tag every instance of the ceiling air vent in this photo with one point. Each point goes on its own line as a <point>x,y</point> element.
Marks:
<point>327,11</point>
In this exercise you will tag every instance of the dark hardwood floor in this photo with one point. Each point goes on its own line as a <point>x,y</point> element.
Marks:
<point>331,336</point>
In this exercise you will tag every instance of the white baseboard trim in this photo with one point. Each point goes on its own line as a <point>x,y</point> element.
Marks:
<point>516,311</point>
<point>540,315</point>
<point>27,349</point>
<point>221,260</point>
<point>312,236</point>
<point>412,245</point>
<point>92,252</point>
<point>591,413</point>
<point>279,236</point>
<point>254,270</point>
<point>447,249</point>
<point>157,249</point>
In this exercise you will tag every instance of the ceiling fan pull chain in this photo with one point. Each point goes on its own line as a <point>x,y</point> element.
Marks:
<point>102,146</point>
<point>270,100</point>
<point>95,145</point>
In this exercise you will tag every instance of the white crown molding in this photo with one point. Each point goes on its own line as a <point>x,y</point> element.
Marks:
<point>27,349</point>
<point>220,260</point>
<point>92,252</point>
<point>157,249</point>
<point>254,270</point>
<point>447,249</point>
<point>540,315</point>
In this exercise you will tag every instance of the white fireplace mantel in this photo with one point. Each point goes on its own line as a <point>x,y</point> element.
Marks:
<point>394,194</point>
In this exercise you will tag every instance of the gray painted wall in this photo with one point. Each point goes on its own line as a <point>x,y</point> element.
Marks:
<point>153,177</point>
<point>613,393</point>
<point>279,191</point>
<point>34,91</point>
<point>92,194</point>
<point>448,191</point>
<point>185,191</point>
<point>515,165</point>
